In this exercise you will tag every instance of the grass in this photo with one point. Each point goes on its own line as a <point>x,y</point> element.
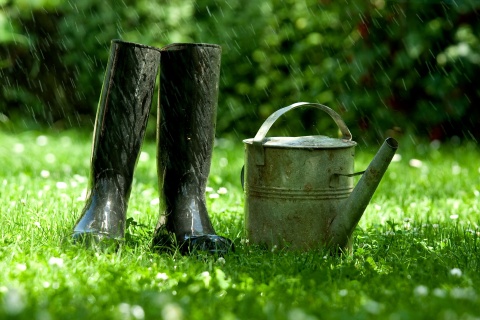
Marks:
<point>415,256</point>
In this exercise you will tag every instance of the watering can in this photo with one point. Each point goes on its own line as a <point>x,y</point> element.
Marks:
<point>299,191</point>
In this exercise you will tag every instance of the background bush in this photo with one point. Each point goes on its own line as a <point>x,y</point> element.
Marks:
<point>389,67</point>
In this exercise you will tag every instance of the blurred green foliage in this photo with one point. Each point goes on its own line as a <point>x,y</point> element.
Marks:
<point>388,67</point>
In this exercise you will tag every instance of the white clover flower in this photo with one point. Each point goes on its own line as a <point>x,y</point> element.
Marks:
<point>50,158</point>
<point>45,173</point>
<point>61,185</point>
<point>221,260</point>
<point>463,293</point>
<point>397,158</point>
<point>137,312</point>
<point>14,301</point>
<point>18,148</point>
<point>415,163</point>
<point>124,309</point>
<point>454,216</point>
<point>456,272</point>
<point>155,201</point>
<point>206,278</point>
<point>440,293</point>
<point>162,276</point>
<point>420,291</point>
<point>222,190</point>
<point>244,241</point>
<point>456,169</point>
<point>172,311</point>
<point>214,196</point>
<point>373,307</point>
<point>21,267</point>
<point>343,292</point>
<point>208,189</point>
<point>42,141</point>
<point>65,141</point>
<point>223,162</point>
<point>58,262</point>
<point>80,178</point>
<point>144,157</point>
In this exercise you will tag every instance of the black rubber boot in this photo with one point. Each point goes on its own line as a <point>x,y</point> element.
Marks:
<point>189,77</point>
<point>122,116</point>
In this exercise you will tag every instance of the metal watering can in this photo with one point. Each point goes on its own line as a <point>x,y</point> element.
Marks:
<point>299,190</point>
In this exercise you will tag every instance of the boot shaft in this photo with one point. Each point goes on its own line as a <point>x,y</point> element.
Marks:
<point>123,109</point>
<point>189,77</point>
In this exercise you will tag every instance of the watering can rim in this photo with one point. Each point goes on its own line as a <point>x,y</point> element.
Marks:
<point>304,142</point>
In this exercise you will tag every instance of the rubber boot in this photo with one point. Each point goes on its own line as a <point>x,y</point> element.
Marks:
<point>120,124</point>
<point>189,77</point>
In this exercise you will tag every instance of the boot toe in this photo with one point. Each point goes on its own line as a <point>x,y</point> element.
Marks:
<point>190,244</point>
<point>209,243</point>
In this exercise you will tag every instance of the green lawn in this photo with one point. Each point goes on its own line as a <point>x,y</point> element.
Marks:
<point>415,253</point>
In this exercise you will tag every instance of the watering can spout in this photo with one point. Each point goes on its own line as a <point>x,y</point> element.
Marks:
<point>343,225</point>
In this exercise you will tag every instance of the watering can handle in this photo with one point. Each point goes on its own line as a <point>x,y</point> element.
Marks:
<point>262,132</point>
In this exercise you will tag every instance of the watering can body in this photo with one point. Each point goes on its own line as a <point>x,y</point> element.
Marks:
<point>297,188</point>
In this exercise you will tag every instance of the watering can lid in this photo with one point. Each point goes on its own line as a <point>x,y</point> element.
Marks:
<point>307,142</point>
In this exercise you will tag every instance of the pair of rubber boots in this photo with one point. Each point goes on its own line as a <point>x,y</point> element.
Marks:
<point>189,77</point>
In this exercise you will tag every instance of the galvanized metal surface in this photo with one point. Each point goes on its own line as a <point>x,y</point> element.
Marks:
<point>289,200</point>
<point>298,189</point>
<point>309,142</point>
